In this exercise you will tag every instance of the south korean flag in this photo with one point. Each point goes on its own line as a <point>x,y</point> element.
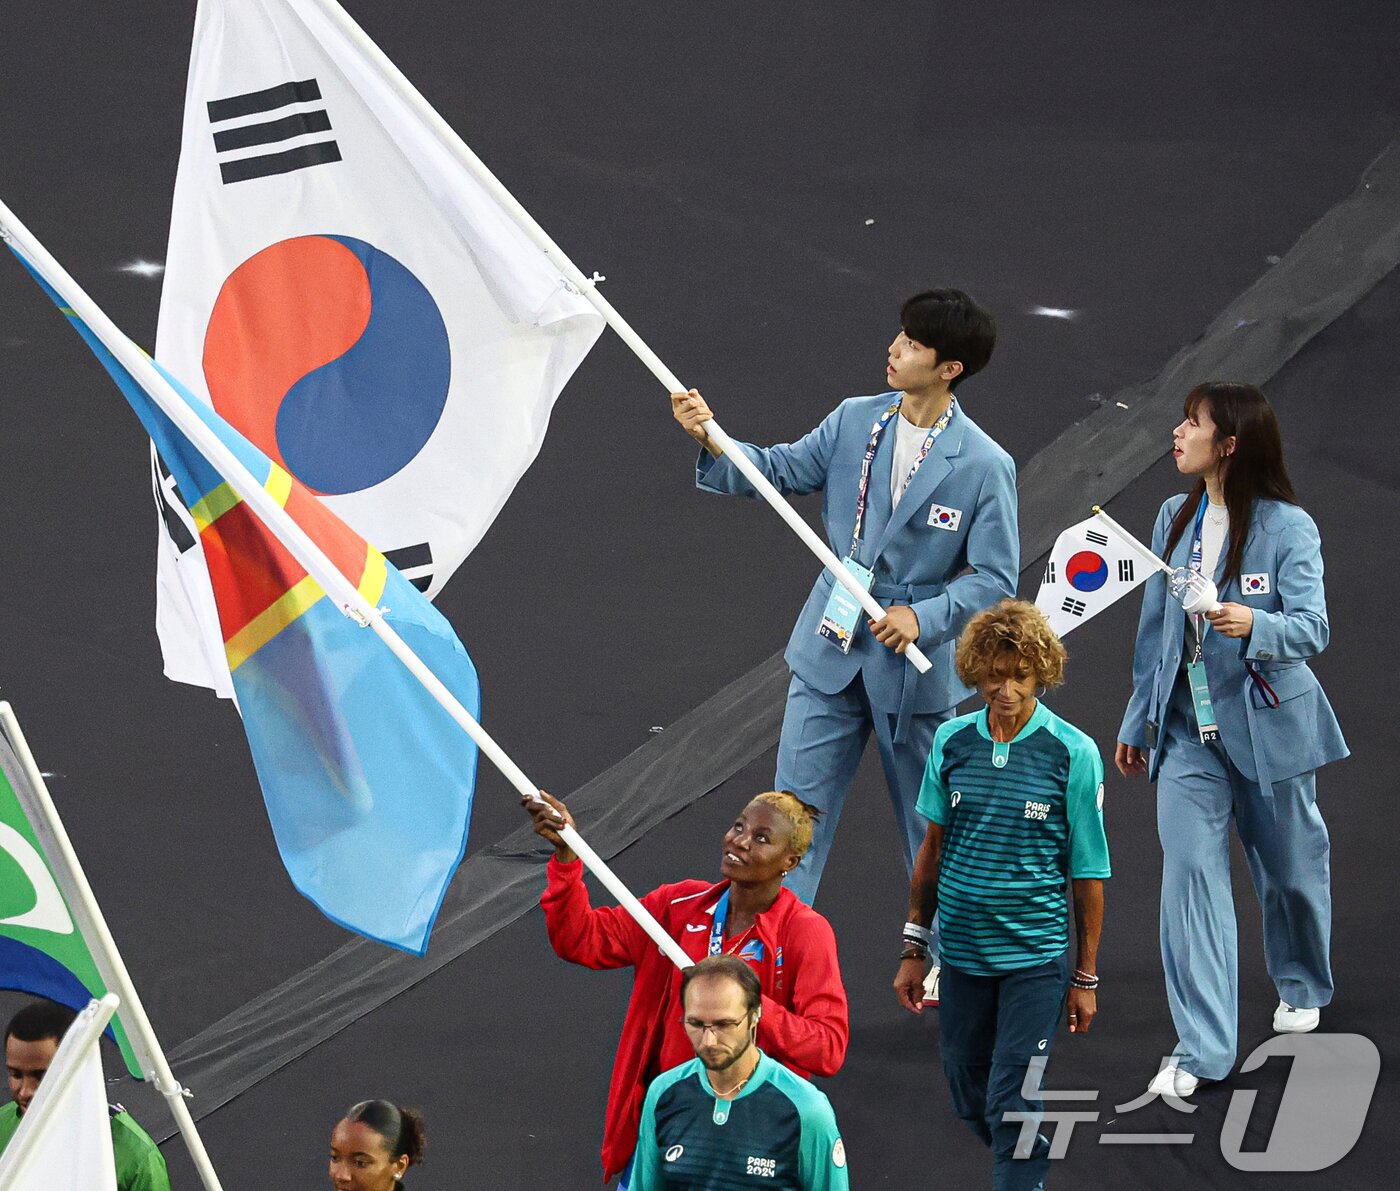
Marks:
<point>942,517</point>
<point>1089,569</point>
<point>353,298</point>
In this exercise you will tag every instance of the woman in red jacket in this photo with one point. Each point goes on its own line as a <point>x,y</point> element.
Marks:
<point>748,914</point>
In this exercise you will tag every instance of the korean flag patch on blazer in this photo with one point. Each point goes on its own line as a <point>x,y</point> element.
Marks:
<point>1255,584</point>
<point>942,517</point>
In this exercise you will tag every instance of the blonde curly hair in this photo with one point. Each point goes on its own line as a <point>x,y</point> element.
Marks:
<point>1016,627</point>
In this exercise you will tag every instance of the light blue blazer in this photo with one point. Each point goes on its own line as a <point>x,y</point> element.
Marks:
<point>1267,744</point>
<point>945,575</point>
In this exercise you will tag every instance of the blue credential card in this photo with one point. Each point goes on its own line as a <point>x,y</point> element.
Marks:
<point>841,616</point>
<point>1200,699</point>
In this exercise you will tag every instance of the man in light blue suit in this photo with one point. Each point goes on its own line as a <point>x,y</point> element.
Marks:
<point>922,499</point>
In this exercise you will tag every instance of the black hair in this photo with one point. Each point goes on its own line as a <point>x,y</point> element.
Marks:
<point>401,1128</point>
<point>726,965</point>
<point>39,1020</point>
<point>1254,471</point>
<point>951,323</point>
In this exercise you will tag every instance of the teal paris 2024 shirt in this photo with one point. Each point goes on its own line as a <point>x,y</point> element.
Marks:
<point>778,1132</point>
<point>1018,819</point>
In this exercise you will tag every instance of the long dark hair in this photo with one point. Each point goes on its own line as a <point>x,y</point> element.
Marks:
<point>1254,471</point>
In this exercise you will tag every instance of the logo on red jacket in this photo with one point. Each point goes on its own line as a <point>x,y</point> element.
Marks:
<point>752,952</point>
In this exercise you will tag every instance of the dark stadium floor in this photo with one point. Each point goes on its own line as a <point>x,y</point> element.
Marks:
<point>720,164</point>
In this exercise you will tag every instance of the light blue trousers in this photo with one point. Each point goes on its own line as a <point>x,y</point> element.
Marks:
<point>820,747</point>
<point>1286,843</point>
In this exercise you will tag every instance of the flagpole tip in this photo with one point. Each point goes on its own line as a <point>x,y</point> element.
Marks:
<point>1096,509</point>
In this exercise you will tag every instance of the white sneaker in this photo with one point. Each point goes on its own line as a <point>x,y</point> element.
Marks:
<point>931,987</point>
<point>1173,1081</point>
<point>1290,1020</point>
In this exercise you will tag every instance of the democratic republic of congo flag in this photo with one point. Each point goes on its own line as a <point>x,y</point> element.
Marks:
<point>43,950</point>
<point>367,780</point>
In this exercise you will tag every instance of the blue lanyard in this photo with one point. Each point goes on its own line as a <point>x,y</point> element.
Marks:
<point>717,930</point>
<point>1196,535</point>
<point>874,445</point>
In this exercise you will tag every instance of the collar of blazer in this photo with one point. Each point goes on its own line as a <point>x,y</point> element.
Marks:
<point>932,472</point>
<point>1181,556</point>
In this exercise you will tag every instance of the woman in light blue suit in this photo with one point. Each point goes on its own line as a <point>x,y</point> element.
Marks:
<point>1240,526</point>
<point>938,532</point>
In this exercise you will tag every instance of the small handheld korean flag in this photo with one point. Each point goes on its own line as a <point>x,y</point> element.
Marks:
<point>1089,569</point>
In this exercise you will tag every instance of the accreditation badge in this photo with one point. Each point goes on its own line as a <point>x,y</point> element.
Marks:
<point>841,617</point>
<point>1200,700</point>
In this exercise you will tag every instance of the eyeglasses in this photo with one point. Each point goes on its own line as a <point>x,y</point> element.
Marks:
<point>715,1027</point>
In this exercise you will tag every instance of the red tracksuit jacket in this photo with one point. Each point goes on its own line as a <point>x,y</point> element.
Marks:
<point>804,1023</point>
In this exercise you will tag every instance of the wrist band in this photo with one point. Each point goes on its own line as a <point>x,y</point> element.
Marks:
<point>915,933</point>
<point>1084,980</point>
<point>921,956</point>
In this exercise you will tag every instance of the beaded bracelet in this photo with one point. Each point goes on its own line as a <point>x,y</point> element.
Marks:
<point>1084,980</point>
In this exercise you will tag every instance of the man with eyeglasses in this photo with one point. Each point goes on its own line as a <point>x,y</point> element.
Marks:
<point>732,1116</point>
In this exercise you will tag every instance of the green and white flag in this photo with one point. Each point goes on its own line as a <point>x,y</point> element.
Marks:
<point>46,947</point>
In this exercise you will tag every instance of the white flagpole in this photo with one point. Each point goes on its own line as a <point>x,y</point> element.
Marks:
<point>588,287</point>
<point>1146,554</point>
<point>303,549</point>
<point>73,881</point>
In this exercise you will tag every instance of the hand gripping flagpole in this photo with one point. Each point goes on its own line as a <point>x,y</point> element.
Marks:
<point>587,286</point>
<point>74,884</point>
<point>346,596</point>
<point>1197,593</point>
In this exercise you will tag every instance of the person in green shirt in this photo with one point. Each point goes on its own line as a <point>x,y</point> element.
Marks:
<point>733,1117</point>
<point>1013,796</point>
<point>31,1041</point>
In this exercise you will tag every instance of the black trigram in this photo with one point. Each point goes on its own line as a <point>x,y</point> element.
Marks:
<point>414,563</point>
<point>1125,570</point>
<point>1098,539</point>
<point>1049,572</point>
<point>1073,607</point>
<point>167,496</point>
<point>271,132</point>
